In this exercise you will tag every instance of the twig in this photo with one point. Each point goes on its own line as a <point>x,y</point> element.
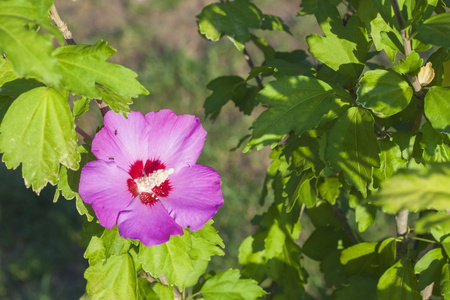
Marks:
<point>250,63</point>
<point>176,293</point>
<point>83,133</point>
<point>344,222</point>
<point>64,29</point>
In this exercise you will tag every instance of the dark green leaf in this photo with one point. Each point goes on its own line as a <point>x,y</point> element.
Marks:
<point>222,88</point>
<point>232,18</point>
<point>434,30</point>
<point>399,282</point>
<point>353,148</point>
<point>322,241</point>
<point>296,103</point>
<point>361,286</point>
<point>359,258</point>
<point>270,22</point>
<point>429,267</point>
<point>329,189</point>
<point>365,216</point>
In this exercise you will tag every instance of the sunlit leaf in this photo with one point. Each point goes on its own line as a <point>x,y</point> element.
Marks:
<point>113,279</point>
<point>436,106</point>
<point>28,50</point>
<point>384,92</point>
<point>228,285</point>
<point>429,267</point>
<point>399,282</point>
<point>38,132</point>
<point>415,189</point>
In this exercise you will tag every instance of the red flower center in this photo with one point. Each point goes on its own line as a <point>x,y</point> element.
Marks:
<point>149,182</point>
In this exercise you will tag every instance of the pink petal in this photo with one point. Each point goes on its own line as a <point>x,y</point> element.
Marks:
<point>195,196</point>
<point>104,186</point>
<point>175,140</point>
<point>151,224</point>
<point>123,141</point>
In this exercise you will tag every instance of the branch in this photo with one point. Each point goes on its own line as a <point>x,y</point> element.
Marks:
<point>344,222</point>
<point>64,29</point>
<point>250,63</point>
<point>83,133</point>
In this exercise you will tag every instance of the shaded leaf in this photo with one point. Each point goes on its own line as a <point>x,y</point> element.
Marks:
<point>353,148</point>
<point>361,286</point>
<point>390,161</point>
<point>434,30</point>
<point>429,267</point>
<point>296,103</point>
<point>232,18</point>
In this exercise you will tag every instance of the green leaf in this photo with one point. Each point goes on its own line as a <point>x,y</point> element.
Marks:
<point>436,106</point>
<point>270,22</point>
<point>445,282</point>
<point>229,18</point>
<point>80,106</point>
<point>353,148</point>
<point>113,279</point>
<point>434,30</point>
<point>289,63</point>
<point>360,258</point>
<point>184,258</point>
<point>16,87</point>
<point>86,73</point>
<point>399,282</point>
<point>384,92</point>
<point>227,286</point>
<point>108,244</point>
<point>329,189</point>
<point>429,267</point>
<point>415,189</point>
<point>145,292</point>
<point>322,241</point>
<point>361,286</point>
<point>387,253</point>
<point>410,65</point>
<point>7,72</point>
<point>343,49</point>
<point>433,144</point>
<point>390,161</point>
<point>28,51</point>
<point>296,103</point>
<point>222,91</point>
<point>365,216</point>
<point>424,224</point>
<point>38,131</point>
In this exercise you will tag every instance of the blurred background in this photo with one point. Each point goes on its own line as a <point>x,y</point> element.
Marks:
<point>39,253</point>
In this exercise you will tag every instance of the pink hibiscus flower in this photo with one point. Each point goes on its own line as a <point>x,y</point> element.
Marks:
<point>146,179</point>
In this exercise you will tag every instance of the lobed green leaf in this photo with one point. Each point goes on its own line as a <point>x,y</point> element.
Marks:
<point>38,132</point>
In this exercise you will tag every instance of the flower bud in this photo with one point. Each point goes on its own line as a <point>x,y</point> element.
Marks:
<point>426,74</point>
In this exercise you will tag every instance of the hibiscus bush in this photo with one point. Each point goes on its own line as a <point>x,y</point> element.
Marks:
<point>358,128</point>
